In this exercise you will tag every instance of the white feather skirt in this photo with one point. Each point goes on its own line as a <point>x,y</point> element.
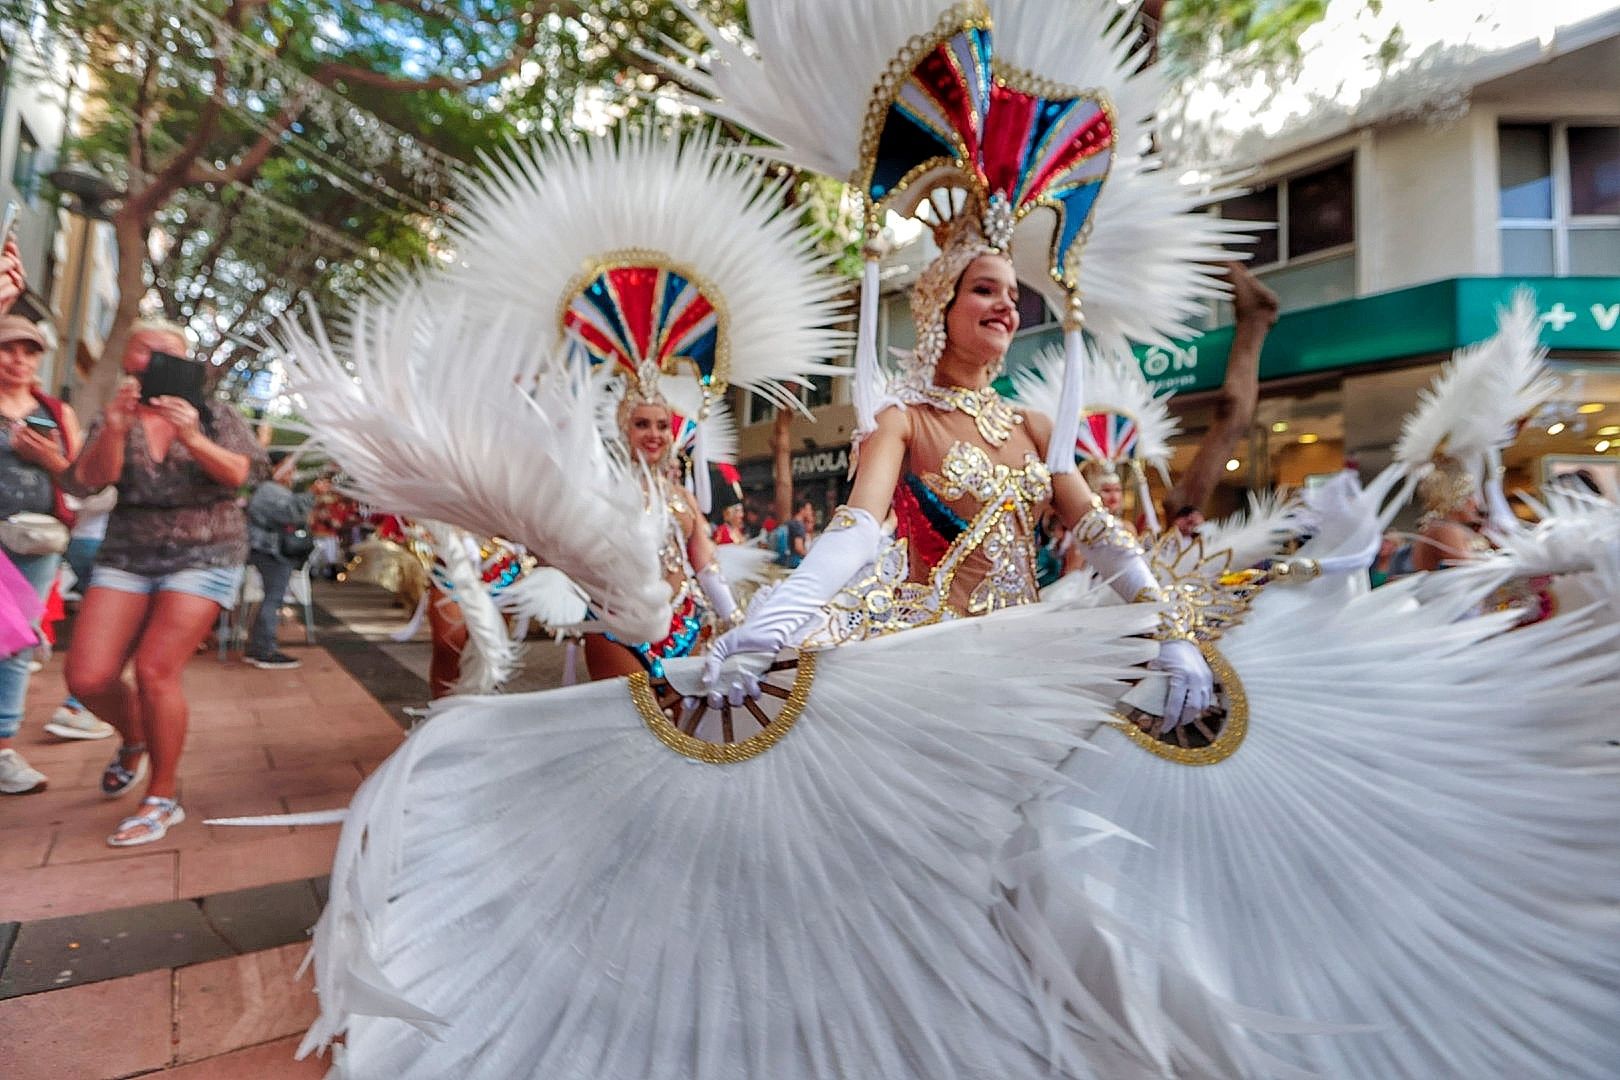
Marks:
<point>536,886</point>
<point>1402,845</point>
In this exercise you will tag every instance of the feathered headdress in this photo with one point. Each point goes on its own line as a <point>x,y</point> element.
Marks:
<point>1472,411</point>
<point>1123,423</point>
<point>464,396</point>
<point>661,259</point>
<point>1014,107</point>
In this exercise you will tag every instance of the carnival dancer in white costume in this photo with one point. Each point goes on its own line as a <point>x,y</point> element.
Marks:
<point>1372,841</point>
<point>575,884</point>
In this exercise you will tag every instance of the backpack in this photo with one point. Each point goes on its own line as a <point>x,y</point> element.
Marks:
<point>782,541</point>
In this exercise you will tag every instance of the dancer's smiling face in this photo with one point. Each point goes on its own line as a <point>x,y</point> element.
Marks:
<point>983,317</point>
<point>650,432</point>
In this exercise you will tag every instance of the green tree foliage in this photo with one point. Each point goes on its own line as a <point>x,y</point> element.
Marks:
<point>1263,31</point>
<point>275,148</point>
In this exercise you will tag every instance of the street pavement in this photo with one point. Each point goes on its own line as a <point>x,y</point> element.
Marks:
<point>179,957</point>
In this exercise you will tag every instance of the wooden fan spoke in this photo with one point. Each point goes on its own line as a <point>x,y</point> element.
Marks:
<point>1210,738</point>
<point>677,723</point>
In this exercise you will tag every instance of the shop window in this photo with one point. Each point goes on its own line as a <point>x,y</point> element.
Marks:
<point>25,166</point>
<point>1314,214</point>
<point>1309,256</point>
<point>1559,206</point>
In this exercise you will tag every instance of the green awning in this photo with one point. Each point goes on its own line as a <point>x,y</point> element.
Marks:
<point>1578,313</point>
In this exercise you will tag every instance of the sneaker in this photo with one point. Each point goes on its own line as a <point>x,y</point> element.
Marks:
<point>276,661</point>
<point>70,723</point>
<point>17,777</point>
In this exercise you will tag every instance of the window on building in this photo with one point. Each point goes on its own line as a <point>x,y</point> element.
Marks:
<point>1559,205</point>
<point>1309,256</point>
<point>25,167</point>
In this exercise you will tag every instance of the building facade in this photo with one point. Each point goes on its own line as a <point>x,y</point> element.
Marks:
<point>1403,217</point>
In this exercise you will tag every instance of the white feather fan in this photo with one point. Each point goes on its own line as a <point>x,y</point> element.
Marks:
<point>414,432</point>
<point>1260,532</point>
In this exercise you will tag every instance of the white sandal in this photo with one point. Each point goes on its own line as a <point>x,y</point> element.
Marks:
<point>163,815</point>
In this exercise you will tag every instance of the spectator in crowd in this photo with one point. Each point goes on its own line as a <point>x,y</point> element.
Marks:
<point>39,436</point>
<point>278,533</point>
<point>72,720</point>
<point>333,517</point>
<point>795,535</point>
<point>172,560</point>
<point>731,529</point>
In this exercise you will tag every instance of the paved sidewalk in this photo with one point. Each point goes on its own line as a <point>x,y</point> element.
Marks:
<point>178,957</point>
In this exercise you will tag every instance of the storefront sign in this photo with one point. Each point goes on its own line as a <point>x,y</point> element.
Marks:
<point>817,463</point>
<point>1577,314</point>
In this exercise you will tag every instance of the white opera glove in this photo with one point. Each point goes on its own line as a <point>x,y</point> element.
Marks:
<point>1110,548</point>
<point>739,656</point>
<point>718,591</point>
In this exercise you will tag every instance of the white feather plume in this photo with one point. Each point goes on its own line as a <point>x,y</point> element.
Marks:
<point>547,596</point>
<point>1115,384</point>
<point>1572,535</point>
<point>571,203</point>
<point>491,655</point>
<point>805,79</point>
<point>397,410</point>
<point>1260,532</point>
<point>1476,402</point>
<point>744,564</point>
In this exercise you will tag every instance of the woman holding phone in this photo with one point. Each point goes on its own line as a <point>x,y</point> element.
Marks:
<point>38,437</point>
<point>172,559</point>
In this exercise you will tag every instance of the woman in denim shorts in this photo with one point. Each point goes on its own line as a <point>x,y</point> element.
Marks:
<point>172,559</point>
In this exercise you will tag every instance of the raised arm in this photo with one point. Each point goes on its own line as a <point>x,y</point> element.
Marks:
<point>101,461</point>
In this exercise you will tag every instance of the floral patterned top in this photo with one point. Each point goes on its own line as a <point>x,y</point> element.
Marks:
<point>173,516</point>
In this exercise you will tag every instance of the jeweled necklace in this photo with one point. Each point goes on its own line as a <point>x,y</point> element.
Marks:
<point>991,413</point>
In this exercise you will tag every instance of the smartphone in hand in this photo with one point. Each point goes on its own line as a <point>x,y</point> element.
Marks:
<point>44,425</point>
<point>168,375</point>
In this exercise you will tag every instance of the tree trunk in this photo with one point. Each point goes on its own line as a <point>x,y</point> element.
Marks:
<point>1256,308</point>
<point>782,463</point>
<point>130,231</point>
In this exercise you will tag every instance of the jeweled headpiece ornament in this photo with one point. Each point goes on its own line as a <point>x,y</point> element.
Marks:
<point>1043,124</point>
<point>1471,412</point>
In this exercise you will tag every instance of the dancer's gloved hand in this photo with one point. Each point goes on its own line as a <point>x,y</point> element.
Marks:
<point>739,656</point>
<point>1115,554</point>
<point>718,591</point>
<point>1192,686</point>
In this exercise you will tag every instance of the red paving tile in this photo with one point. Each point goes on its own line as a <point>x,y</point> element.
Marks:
<point>46,892</point>
<point>24,847</point>
<point>240,1001</point>
<point>262,1062</point>
<point>257,740</point>
<point>281,856</point>
<point>93,1032</point>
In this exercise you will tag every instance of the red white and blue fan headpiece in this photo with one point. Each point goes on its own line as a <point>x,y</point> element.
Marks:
<point>664,259</point>
<point>1017,106</point>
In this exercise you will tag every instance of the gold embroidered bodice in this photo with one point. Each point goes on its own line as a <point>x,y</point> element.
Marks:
<point>966,510</point>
